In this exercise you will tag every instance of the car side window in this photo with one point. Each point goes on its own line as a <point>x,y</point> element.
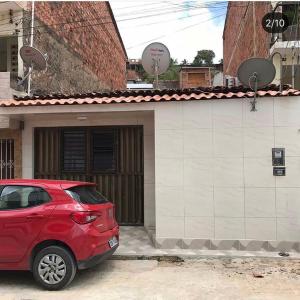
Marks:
<point>16,197</point>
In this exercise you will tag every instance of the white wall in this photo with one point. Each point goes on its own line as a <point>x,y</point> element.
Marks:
<point>98,119</point>
<point>214,175</point>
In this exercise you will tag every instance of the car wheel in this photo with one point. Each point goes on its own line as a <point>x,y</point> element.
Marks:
<point>54,268</point>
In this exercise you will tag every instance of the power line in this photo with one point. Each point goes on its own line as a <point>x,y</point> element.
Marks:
<point>179,30</point>
<point>102,23</point>
<point>166,10</point>
<point>240,28</point>
<point>79,21</point>
<point>174,19</point>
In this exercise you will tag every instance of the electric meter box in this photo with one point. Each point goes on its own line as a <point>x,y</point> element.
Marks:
<point>278,156</point>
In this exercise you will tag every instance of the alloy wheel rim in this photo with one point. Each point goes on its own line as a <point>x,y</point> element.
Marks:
<point>52,268</point>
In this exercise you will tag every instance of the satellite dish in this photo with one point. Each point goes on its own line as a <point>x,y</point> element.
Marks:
<point>33,58</point>
<point>156,59</point>
<point>256,72</point>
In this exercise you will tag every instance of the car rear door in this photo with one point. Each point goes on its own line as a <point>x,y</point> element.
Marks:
<point>23,212</point>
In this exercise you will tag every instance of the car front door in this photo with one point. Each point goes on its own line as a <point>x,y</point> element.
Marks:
<point>23,212</point>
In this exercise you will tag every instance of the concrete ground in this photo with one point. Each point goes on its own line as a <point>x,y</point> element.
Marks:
<point>205,278</point>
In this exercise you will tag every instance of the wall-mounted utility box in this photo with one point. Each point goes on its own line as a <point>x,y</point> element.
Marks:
<point>279,171</point>
<point>278,157</point>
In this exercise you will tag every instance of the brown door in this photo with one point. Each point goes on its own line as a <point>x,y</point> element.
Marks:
<point>112,157</point>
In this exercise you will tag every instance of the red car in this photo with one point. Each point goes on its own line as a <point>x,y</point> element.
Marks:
<point>53,228</point>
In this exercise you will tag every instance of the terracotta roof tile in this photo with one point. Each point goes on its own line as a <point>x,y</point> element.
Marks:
<point>147,96</point>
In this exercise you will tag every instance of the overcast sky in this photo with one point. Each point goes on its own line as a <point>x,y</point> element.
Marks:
<point>183,26</point>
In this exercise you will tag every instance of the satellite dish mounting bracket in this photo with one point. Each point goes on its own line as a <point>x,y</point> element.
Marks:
<point>30,70</point>
<point>255,79</point>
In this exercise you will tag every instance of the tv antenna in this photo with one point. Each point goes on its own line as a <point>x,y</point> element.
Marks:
<point>33,59</point>
<point>156,59</point>
<point>256,73</point>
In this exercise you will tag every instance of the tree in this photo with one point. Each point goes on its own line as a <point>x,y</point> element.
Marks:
<point>184,62</point>
<point>171,74</point>
<point>173,71</point>
<point>204,58</point>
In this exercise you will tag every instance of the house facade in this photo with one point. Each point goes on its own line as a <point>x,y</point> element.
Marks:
<point>84,48</point>
<point>195,169</point>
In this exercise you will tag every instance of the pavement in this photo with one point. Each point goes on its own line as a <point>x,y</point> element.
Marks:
<point>207,278</point>
<point>135,242</point>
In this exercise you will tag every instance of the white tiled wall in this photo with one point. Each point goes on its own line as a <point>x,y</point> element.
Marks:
<point>213,162</point>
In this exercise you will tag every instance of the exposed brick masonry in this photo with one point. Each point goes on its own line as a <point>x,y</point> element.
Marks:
<point>242,40</point>
<point>80,59</point>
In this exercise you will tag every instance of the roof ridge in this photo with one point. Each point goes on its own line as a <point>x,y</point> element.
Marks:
<point>127,93</point>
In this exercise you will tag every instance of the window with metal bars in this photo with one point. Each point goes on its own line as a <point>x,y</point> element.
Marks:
<point>6,159</point>
<point>91,151</point>
<point>74,150</point>
<point>103,151</point>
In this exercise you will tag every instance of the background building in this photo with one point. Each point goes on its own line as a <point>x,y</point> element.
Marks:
<point>194,76</point>
<point>81,39</point>
<point>244,37</point>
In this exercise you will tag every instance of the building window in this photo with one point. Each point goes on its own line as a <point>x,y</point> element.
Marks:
<point>74,150</point>
<point>104,151</point>
<point>287,75</point>
<point>9,54</point>
<point>291,10</point>
<point>7,159</point>
<point>85,150</point>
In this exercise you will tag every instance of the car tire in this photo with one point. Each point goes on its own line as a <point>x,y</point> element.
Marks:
<point>54,268</point>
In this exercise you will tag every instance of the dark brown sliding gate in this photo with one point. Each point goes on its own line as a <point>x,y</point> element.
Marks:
<point>123,184</point>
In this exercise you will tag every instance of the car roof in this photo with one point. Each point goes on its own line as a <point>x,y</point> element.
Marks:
<point>47,183</point>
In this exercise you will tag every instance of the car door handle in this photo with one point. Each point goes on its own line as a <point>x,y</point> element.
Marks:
<point>35,216</point>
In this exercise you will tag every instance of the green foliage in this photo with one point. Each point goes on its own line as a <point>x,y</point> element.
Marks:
<point>171,74</point>
<point>204,58</point>
<point>173,71</point>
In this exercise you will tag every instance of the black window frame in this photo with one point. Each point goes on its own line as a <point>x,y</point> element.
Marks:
<point>114,132</point>
<point>2,187</point>
<point>62,163</point>
<point>89,153</point>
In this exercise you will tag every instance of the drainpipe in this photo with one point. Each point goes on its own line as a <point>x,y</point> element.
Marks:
<point>31,42</point>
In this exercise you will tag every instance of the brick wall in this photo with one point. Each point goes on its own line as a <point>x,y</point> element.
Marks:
<point>80,59</point>
<point>243,35</point>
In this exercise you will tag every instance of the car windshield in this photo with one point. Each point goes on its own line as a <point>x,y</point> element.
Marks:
<point>86,195</point>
